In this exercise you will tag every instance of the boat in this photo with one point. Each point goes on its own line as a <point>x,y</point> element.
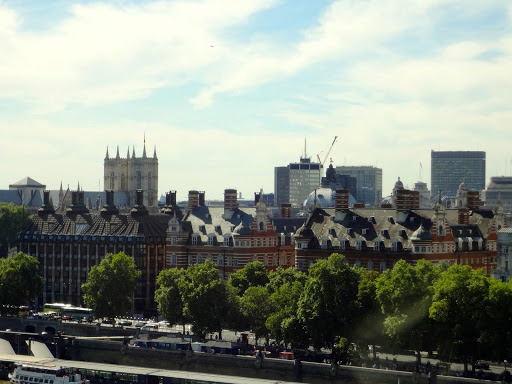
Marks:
<point>32,373</point>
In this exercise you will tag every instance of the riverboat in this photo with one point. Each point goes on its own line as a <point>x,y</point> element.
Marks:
<point>37,373</point>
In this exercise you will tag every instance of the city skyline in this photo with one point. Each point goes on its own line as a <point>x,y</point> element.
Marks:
<point>228,90</point>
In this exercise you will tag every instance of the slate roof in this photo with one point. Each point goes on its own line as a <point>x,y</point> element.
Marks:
<point>204,221</point>
<point>97,227</point>
<point>27,182</point>
<point>383,225</point>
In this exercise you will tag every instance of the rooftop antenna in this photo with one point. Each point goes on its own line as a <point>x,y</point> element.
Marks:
<point>305,153</point>
<point>421,169</point>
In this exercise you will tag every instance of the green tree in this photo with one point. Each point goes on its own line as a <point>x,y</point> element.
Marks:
<point>256,306</point>
<point>205,298</point>
<point>20,280</point>
<point>459,307</point>
<point>109,291</point>
<point>13,219</point>
<point>251,275</point>
<point>169,297</point>
<point>405,295</point>
<point>368,330</point>
<point>497,333</point>
<point>281,276</point>
<point>283,324</point>
<point>328,304</point>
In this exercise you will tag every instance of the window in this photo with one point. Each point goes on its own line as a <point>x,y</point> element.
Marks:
<point>370,265</point>
<point>211,240</point>
<point>149,181</point>
<point>226,241</point>
<point>195,239</point>
<point>394,246</point>
<point>174,240</point>
<point>360,244</point>
<point>112,180</point>
<point>261,226</point>
<point>325,243</point>
<point>382,266</point>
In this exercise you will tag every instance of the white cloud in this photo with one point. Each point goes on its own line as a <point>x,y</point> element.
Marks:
<point>102,53</point>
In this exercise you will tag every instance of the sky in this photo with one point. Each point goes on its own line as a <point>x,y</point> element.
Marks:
<point>228,89</point>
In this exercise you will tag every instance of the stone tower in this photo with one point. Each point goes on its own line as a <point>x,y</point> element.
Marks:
<point>130,173</point>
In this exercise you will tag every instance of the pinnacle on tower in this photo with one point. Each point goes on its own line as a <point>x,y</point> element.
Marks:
<point>144,152</point>
<point>78,187</point>
<point>106,156</point>
<point>128,153</point>
<point>133,152</point>
<point>117,155</point>
<point>61,185</point>
<point>154,152</point>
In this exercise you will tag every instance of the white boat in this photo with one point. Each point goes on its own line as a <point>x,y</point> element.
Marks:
<point>35,373</point>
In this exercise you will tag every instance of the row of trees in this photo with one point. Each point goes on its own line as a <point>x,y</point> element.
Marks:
<point>460,312</point>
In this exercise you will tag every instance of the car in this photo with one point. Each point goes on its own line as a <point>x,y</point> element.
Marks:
<point>481,364</point>
<point>139,324</point>
<point>67,317</point>
<point>124,322</point>
<point>108,321</point>
<point>163,323</point>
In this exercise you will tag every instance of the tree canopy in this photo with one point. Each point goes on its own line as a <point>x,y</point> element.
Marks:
<point>13,219</point>
<point>111,285</point>
<point>328,303</point>
<point>251,275</point>
<point>168,296</point>
<point>20,280</point>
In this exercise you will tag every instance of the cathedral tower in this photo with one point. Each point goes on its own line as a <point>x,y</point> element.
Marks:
<point>132,173</point>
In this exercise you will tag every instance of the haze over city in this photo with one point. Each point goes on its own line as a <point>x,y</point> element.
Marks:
<point>227,90</point>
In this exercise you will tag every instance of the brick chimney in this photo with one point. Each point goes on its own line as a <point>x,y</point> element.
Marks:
<point>193,199</point>
<point>170,198</point>
<point>139,209</point>
<point>46,207</point>
<point>463,216</point>
<point>230,202</point>
<point>109,208</point>
<point>341,203</point>
<point>473,200</point>
<point>201,198</point>
<point>407,200</point>
<point>286,210</point>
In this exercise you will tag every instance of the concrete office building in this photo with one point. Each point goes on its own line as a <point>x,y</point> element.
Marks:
<point>498,191</point>
<point>369,182</point>
<point>294,183</point>
<point>450,168</point>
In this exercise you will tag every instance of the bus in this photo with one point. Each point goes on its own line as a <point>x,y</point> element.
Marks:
<point>76,313</point>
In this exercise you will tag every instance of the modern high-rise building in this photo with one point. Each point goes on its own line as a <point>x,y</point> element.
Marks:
<point>369,182</point>
<point>294,183</point>
<point>450,168</point>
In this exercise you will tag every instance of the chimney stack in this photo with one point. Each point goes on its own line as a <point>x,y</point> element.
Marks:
<point>139,209</point>
<point>407,200</point>
<point>193,199</point>
<point>109,208</point>
<point>473,200</point>
<point>341,204</point>
<point>201,198</point>
<point>463,216</point>
<point>230,202</point>
<point>46,207</point>
<point>286,210</point>
<point>256,198</point>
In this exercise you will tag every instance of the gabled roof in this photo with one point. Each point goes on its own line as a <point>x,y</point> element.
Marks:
<point>27,182</point>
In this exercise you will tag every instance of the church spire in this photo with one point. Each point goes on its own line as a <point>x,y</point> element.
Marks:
<point>117,155</point>
<point>106,156</point>
<point>144,152</point>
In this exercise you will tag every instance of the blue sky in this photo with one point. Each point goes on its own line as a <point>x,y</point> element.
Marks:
<point>392,79</point>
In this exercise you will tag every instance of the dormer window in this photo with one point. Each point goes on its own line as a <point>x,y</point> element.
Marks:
<point>211,239</point>
<point>364,231</point>
<point>226,241</point>
<point>360,244</point>
<point>396,245</point>
<point>378,245</point>
<point>354,218</point>
<point>195,239</point>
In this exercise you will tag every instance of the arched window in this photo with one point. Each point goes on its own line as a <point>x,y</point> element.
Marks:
<point>139,181</point>
<point>149,181</point>
<point>370,265</point>
<point>261,226</point>
<point>112,180</point>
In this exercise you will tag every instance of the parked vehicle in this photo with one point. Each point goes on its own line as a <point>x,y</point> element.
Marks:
<point>124,322</point>
<point>481,364</point>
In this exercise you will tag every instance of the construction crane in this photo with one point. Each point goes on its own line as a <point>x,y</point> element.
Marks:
<point>328,152</point>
